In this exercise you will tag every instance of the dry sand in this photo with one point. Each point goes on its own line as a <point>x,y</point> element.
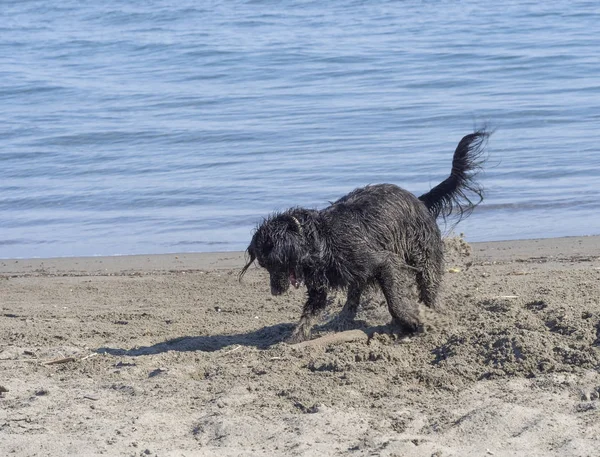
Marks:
<point>172,356</point>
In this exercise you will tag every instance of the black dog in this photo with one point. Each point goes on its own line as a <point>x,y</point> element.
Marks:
<point>376,235</point>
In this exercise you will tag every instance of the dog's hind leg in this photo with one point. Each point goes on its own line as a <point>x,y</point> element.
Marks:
<point>317,300</point>
<point>396,284</point>
<point>348,313</point>
<point>428,285</point>
<point>429,277</point>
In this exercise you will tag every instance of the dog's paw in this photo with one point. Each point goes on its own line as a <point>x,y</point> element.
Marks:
<point>295,338</point>
<point>299,335</point>
<point>342,323</point>
<point>408,328</point>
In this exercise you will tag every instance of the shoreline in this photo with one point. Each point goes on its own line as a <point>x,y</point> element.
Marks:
<point>496,250</point>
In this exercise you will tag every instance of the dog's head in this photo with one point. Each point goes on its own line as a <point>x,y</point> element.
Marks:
<point>280,246</point>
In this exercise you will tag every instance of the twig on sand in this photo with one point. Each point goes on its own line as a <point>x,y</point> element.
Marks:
<point>334,338</point>
<point>69,359</point>
<point>234,349</point>
<point>61,360</point>
<point>93,354</point>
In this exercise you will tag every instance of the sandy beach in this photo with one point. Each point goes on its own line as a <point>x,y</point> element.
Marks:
<point>171,355</point>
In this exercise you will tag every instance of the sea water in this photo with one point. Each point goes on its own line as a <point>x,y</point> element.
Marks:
<point>156,126</point>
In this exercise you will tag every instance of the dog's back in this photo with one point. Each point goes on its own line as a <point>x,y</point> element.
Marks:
<point>372,222</point>
<point>384,216</point>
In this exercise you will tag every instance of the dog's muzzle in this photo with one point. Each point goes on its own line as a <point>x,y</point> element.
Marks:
<point>280,283</point>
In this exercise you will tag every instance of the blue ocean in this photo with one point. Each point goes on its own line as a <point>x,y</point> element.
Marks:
<point>140,127</point>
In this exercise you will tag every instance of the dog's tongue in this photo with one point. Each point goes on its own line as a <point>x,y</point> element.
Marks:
<point>293,280</point>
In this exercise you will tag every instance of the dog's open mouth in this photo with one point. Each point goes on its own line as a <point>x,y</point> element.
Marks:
<point>294,280</point>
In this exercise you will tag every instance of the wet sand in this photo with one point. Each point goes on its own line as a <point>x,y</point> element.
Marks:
<point>170,355</point>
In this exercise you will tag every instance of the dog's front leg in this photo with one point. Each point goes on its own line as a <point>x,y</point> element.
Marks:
<point>346,317</point>
<point>317,300</point>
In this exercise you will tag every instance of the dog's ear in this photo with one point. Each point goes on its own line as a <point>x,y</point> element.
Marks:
<point>252,257</point>
<point>294,225</point>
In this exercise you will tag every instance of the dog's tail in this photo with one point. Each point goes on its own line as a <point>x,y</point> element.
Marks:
<point>457,193</point>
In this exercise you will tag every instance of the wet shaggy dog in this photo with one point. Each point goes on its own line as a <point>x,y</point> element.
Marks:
<point>378,235</point>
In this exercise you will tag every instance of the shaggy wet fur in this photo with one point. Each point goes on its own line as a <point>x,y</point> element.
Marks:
<point>376,235</point>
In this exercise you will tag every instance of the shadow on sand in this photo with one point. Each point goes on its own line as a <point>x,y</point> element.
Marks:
<point>262,339</point>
